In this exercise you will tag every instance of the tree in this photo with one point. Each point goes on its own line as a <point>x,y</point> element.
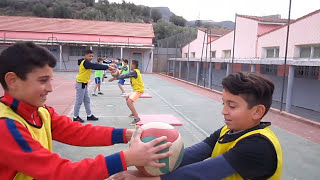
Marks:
<point>123,15</point>
<point>40,10</point>
<point>145,11</point>
<point>92,14</point>
<point>198,23</point>
<point>178,20</point>
<point>62,10</point>
<point>156,15</point>
<point>103,2</point>
<point>4,3</point>
<point>88,2</point>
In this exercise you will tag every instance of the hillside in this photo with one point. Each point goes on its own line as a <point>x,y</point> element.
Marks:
<point>166,24</point>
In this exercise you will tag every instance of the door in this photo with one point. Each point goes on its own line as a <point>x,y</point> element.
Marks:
<point>138,57</point>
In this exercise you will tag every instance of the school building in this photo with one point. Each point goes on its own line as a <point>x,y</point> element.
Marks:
<point>67,39</point>
<point>260,44</point>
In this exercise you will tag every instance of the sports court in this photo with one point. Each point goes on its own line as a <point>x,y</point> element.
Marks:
<point>198,110</point>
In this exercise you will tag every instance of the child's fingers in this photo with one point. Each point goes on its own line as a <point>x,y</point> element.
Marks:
<point>138,135</point>
<point>156,164</point>
<point>163,155</point>
<point>158,140</point>
<point>161,147</point>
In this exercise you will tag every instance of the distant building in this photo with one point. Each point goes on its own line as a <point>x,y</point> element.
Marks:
<point>260,46</point>
<point>67,39</point>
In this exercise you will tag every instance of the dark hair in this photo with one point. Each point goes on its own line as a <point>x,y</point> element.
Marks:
<point>22,58</point>
<point>88,51</point>
<point>252,87</point>
<point>136,63</point>
<point>99,59</point>
<point>125,61</point>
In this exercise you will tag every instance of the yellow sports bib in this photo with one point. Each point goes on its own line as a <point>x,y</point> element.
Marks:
<point>221,148</point>
<point>42,135</point>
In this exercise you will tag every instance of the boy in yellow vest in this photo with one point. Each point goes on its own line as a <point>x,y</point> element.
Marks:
<point>82,79</point>
<point>28,126</point>
<point>245,148</point>
<point>137,86</point>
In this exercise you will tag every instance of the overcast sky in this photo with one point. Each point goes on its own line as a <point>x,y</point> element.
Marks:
<point>221,10</point>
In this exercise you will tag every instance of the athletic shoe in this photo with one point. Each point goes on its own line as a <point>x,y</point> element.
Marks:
<point>92,118</point>
<point>100,93</point>
<point>94,94</point>
<point>78,119</point>
<point>123,94</point>
<point>131,115</point>
<point>135,121</point>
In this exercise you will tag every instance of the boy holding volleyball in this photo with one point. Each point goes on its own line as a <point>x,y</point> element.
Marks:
<point>245,148</point>
<point>28,126</point>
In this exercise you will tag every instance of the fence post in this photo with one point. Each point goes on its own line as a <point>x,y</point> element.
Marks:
<point>210,75</point>
<point>180,64</point>
<point>290,87</point>
<point>253,68</point>
<point>60,54</point>
<point>198,73</point>
<point>174,68</point>
<point>228,69</point>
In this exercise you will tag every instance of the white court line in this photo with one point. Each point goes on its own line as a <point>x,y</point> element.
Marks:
<point>181,114</point>
<point>58,86</point>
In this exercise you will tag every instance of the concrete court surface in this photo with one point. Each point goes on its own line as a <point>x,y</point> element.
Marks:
<point>199,114</point>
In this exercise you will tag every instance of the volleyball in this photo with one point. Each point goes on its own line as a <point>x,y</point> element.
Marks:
<point>154,130</point>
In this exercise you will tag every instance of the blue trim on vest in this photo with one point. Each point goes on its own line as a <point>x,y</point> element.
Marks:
<point>17,136</point>
<point>114,163</point>
<point>14,105</point>
<point>117,136</point>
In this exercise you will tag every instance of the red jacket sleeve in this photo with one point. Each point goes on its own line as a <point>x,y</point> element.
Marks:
<point>20,152</point>
<point>74,133</point>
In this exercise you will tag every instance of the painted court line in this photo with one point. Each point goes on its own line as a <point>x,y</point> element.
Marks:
<point>181,114</point>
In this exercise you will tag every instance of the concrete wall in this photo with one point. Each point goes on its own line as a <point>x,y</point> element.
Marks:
<point>196,45</point>
<point>70,62</point>
<point>263,28</point>
<point>221,44</point>
<point>304,31</point>
<point>246,38</point>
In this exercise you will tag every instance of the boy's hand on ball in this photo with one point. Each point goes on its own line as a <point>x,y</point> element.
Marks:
<point>145,154</point>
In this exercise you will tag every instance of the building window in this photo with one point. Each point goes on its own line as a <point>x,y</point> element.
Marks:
<point>213,54</point>
<point>269,69</point>
<point>316,52</point>
<point>77,50</point>
<point>305,52</point>
<point>186,55</point>
<point>312,51</point>
<point>226,53</point>
<point>104,51</point>
<point>308,72</point>
<point>193,54</point>
<point>272,52</point>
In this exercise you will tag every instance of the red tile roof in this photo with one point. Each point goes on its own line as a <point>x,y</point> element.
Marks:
<point>269,19</point>
<point>75,26</point>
